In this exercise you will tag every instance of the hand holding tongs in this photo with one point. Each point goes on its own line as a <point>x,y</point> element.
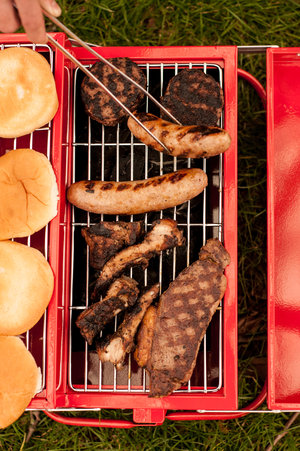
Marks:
<point>95,79</point>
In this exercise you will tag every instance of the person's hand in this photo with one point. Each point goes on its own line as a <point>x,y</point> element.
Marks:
<point>29,14</point>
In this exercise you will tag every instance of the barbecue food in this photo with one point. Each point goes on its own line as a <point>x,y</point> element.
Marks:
<point>107,238</point>
<point>194,98</point>
<point>98,104</point>
<point>139,196</point>
<point>28,193</point>
<point>145,336</point>
<point>184,313</point>
<point>189,141</point>
<point>28,98</point>
<point>163,235</point>
<point>115,347</point>
<point>122,294</point>
<point>26,286</point>
<point>20,379</point>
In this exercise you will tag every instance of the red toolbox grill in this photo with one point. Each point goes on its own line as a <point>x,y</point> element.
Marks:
<point>80,148</point>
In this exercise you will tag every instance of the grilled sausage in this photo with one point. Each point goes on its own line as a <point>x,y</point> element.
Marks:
<point>140,196</point>
<point>144,337</point>
<point>190,141</point>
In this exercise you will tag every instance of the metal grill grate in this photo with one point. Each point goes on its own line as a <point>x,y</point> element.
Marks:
<point>35,338</point>
<point>105,153</point>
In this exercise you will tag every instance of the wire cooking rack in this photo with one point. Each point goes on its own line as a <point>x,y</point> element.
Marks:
<point>112,153</point>
<point>40,139</point>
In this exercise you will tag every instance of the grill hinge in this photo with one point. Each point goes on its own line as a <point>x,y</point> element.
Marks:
<point>149,415</point>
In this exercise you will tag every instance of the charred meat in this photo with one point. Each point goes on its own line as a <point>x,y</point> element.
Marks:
<point>163,235</point>
<point>184,313</point>
<point>115,347</point>
<point>122,293</point>
<point>194,98</point>
<point>99,105</point>
<point>107,238</point>
<point>144,337</point>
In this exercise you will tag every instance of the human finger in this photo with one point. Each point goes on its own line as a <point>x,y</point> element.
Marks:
<point>51,6</point>
<point>9,21</point>
<point>32,19</point>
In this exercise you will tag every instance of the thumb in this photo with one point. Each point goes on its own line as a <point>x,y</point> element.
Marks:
<point>51,6</point>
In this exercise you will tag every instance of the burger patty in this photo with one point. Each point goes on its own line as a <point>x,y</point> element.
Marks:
<point>194,98</point>
<point>99,105</point>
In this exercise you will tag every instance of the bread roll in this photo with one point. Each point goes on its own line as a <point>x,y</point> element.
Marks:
<point>28,193</point>
<point>20,379</point>
<point>28,97</point>
<point>26,286</point>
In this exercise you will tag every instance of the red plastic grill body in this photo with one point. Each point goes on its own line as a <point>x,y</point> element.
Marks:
<point>57,393</point>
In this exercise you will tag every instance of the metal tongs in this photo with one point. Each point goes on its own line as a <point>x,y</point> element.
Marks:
<point>99,83</point>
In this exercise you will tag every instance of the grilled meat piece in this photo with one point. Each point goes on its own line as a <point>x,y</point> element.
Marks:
<point>194,98</point>
<point>184,313</point>
<point>99,105</point>
<point>107,238</point>
<point>187,141</point>
<point>115,347</point>
<point>163,235</point>
<point>122,293</point>
<point>145,336</point>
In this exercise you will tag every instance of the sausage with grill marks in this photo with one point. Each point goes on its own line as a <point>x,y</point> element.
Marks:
<point>140,196</point>
<point>190,141</point>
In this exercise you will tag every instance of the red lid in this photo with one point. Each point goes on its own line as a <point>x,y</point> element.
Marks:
<point>283,94</point>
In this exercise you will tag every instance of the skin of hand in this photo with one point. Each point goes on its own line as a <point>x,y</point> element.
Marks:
<point>27,13</point>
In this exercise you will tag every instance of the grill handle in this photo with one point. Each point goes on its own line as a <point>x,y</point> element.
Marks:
<point>176,416</point>
<point>255,83</point>
<point>94,422</point>
<point>184,416</point>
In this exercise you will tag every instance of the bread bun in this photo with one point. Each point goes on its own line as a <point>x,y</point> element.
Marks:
<point>28,97</point>
<point>26,286</point>
<point>19,379</point>
<point>28,193</point>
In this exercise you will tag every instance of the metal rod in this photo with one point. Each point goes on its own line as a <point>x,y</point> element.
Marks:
<point>95,79</point>
<point>255,48</point>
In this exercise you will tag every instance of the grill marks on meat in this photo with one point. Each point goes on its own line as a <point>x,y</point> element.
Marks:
<point>184,313</point>
<point>107,238</point>
<point>122,293</point>
<point>99,105</point>
<point>138,196</point>
<point>163,235</point>
<point>194,98</point>
<point>187,141</point>
<point>115,347</point>
<point>145,336</point>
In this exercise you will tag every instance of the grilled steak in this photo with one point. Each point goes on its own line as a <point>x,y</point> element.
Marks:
<point>163,235</point>
<point>115,347</point>
<point>194,98</point>
<point>145,336</point>
<point>107,238</point>
<point>99,105</point>
<point>122,294</point>
<point>184,313</point>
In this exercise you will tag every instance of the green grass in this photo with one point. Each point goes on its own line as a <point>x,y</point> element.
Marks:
<point>189,22</point>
